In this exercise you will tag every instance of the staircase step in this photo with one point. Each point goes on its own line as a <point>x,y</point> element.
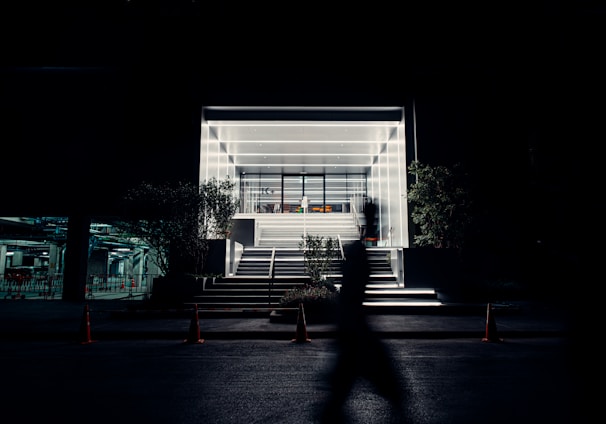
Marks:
<point>286,230</point>
<point>249,288</point>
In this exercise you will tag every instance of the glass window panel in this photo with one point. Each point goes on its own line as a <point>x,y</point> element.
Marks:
<point>276,193</point>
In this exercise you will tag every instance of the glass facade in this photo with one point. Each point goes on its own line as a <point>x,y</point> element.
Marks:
<point>32,259</point>
<point>283,193</point>
<point>335,157</point>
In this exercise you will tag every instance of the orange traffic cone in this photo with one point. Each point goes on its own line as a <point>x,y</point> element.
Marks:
<point>491,327</point>
<point>301,334</point>
<point>85,327</point>
<point>194,329</point>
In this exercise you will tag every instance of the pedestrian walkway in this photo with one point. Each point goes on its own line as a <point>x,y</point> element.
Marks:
<point>123,319</point>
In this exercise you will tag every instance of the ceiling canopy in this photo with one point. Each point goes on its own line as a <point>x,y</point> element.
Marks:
<point>297,140</point>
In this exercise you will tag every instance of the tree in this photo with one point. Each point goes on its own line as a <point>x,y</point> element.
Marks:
<point>177,220</point>
<point>218,207</point>
<point>319,253</point>
<point>440,205</point>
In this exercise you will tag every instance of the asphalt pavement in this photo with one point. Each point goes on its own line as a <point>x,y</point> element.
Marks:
<point>112,319</point>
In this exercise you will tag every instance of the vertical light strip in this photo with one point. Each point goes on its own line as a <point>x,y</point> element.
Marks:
<point>204,135</point>
<point>403,209</point>
<point>232,170</point>
<point>388,205</point>
<point>202,166</point>
<point>207,154</point>
<point>380,200</point>
<point>414,127</point>
<point>218,153</point>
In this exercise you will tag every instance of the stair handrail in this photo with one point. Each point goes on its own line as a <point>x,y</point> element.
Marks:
<point>272,260</point>
<point>341,247</point>
<point>272,274</point>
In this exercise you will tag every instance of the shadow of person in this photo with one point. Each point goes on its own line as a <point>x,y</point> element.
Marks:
<point>370,213</point>
<point>361,354</point>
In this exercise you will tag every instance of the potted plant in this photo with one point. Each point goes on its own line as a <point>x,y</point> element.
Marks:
<point>319,254</point>
<point>319,297</point>
<point>440,209</point>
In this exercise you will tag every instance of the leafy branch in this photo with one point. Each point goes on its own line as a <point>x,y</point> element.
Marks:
<point>177,220</point>
<point>318,253</point>
<point>440,205</point>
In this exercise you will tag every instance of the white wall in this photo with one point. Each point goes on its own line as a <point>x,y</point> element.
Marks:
<point>387,188</point>
<point>214,162</point>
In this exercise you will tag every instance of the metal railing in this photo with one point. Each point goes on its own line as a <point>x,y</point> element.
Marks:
<point>21,286</point>
<point>272,263</point>
<point>341,247</point>
<point>97,285</point>
<point>272,274</point>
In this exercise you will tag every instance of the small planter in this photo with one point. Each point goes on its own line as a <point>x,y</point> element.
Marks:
<point>315,313</point>
<point>440,269</point>
<point>175,290</point>
<point>215,260</point>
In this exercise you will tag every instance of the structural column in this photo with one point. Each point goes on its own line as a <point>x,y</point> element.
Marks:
<point>3,250</point>
<point>17,258</point>
<point>54,260</point>
<point>138,266</point>
<point>76,258</point>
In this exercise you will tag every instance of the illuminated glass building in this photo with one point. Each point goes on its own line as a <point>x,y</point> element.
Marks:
<point>336,158</point>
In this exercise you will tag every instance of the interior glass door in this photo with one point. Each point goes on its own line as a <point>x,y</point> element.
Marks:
<point>313,188</point>
<point>296,186</point>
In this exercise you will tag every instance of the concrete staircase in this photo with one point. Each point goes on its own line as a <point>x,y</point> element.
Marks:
<point>252,289</point>
<point>286,230</point>
<point>256,261</point>
<point>383,292</point>
<point>253,294</point>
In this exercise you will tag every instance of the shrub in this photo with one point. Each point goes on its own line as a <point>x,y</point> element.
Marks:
<point>177,219</point>
<point>310,295</point>
<point>319,253</point>
<point>440,205</point>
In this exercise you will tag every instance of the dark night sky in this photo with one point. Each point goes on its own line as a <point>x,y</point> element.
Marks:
<point>97,92</point>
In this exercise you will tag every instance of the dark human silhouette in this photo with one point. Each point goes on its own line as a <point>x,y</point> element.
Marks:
<point>361,354</point>
<point>370,212</point>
